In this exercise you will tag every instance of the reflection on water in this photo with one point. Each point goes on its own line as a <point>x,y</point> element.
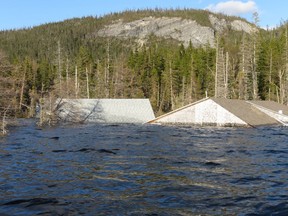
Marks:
<point>143,170</point>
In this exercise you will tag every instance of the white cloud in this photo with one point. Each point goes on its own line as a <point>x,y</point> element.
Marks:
<point>233,7</point>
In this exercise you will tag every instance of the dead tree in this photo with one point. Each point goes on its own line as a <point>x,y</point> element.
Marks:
<point>4,125</point>
<point>221,71</point>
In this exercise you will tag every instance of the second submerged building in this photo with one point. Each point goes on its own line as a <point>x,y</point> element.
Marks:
<point>227,112</point>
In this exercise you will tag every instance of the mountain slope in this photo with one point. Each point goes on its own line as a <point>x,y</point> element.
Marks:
<point>197,26</point>
<point>148,53</point>
<point>183,30</point>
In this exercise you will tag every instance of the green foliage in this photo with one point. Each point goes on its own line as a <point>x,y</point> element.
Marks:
<point>70,54</point>
<point>45,76</point>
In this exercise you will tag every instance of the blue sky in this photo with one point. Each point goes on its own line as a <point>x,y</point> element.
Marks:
<point>28,13</point>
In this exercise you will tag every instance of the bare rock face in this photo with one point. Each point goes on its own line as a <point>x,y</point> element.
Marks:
<point>236,25</point>
<point>183,30</point>
<point>239,25</point>
<point>218,24</point>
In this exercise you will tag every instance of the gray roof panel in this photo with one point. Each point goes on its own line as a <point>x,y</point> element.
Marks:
<point>107,110</point>
<point>245,111</point>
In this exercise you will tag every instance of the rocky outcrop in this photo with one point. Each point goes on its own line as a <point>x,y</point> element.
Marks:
<point>218,24</point>
<point>237,25</point>
<point>183,30</point>
<point>175,28</point>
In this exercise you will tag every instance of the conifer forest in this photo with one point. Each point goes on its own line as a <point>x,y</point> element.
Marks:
<point>68,60</point>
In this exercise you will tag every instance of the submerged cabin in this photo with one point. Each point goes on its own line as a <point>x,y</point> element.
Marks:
<point>105,110</point>
<point>227,112</point>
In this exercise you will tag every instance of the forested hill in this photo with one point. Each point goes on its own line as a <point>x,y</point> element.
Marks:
<point>172,57</point>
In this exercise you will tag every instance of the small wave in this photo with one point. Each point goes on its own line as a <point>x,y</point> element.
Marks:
<point>272,151</point>
<point>247,180</point>
<point>32,202</point>
<point>211,163</point>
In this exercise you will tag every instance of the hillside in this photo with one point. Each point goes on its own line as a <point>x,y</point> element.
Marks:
<point>196,26</point>
<point>172,57</point>
<point>182,30</point>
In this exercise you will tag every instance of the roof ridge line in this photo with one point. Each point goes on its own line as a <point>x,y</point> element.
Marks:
<point>176,110</point>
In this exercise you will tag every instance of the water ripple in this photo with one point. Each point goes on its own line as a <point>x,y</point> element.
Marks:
<point>143,170</point>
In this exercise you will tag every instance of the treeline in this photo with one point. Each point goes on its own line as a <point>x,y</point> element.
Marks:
<point>68,60</point>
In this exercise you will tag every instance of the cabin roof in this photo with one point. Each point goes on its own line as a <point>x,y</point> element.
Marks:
<point>108,110</point>
<point>247,111</point>
<point>272,105</point>
<point>177,110</point>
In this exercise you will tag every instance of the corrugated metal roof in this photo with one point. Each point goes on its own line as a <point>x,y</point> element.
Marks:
<point>106,110</point>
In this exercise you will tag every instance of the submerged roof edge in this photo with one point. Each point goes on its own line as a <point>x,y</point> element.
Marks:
<point>176,110</point>
<point>107,110</point>
<point>256,116</point>
<point>269,110</point>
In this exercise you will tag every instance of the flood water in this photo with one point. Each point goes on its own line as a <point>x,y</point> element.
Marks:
<point>143,170</point>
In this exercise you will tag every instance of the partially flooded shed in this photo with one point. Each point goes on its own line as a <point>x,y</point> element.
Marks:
<point>105,110</point>
<point>227,112</point>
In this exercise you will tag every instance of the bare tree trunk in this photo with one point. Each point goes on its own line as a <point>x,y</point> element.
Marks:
<point>286,63</point>
<point>171,87</point>
<point>183,90</point>
<point>277,94</point>
<point>41,105</point>
<point>244,76</point>
<point>270,75</point>
<point>254,74</point>
<point>116,79</point>
<point>59,67</point>
<point>76,82</point>
<point>226,75</point>
<point>191,87</point>
<point>105,81</point>
<point>87,83</point>
<point>191,80</point>
<point>107,71</point>
<point>4,123</point>
<point>97,78</point>
<point>220,72</point>
<point>158,95</point>
<point>281,86</point>
<point>33,96</point>
<point>67,77</point>
<point>216,67</point>
<point>22,89</point>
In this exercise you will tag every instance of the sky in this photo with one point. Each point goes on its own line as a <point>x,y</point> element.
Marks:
<point>15,14</point>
